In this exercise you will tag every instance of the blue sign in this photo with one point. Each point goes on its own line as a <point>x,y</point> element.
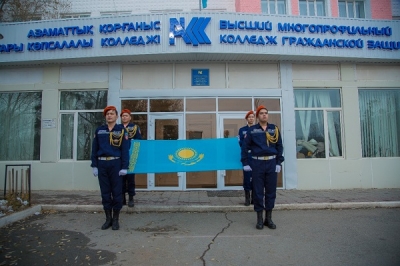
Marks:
<point>200,77</point>
<point>193,34</point>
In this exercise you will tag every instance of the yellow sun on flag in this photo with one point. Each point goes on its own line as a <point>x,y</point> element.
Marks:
<point>186,156</point>
<point>186,153</point>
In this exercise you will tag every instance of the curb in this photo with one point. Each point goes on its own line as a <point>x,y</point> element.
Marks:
<point>195,208</point>
<point>338,205</point>
<point>8,219</point>
<point>219,208</point>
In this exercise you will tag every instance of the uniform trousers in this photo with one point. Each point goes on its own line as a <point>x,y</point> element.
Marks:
<point>110,184</point>
<point>129,184</point>
<point>264,184</point>
<point>247,184</point>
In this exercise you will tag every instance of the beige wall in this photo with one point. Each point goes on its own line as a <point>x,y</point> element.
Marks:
<point>179,76</point>
<point>351,171</point>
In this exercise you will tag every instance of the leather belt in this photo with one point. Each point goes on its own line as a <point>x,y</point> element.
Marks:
<point>265,158</point>
<point>109,158</point>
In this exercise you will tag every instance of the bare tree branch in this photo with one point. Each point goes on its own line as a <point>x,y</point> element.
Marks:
<point>27,10</point>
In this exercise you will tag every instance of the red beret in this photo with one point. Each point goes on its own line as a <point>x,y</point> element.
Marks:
<point>249,113</point>
<point>126,111</point>
<point>108,108</point>
<point>259,109</point>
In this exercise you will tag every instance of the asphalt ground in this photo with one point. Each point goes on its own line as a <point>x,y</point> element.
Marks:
<point>303,237</point>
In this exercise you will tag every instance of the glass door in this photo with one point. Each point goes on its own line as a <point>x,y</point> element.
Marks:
<point>166,127</point>
<point>229,125</point>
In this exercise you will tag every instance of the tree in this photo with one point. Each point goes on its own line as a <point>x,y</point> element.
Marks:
<point>27,10</point>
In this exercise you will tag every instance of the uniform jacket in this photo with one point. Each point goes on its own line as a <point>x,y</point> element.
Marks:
<point>256,141</point>
<point>133,131</point>
<point>102,147</point>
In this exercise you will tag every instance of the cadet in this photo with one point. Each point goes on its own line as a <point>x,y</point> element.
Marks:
<point>247,184</point>
<point>110,160</point>
<point>129,179</point>
<point>265,142</point>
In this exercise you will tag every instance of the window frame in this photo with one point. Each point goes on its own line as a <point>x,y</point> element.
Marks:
<point>353,2</point>
<point>276,7</point>
<point>325,111</point>
<point>37,131</point>
<point>314,3</point>
<point>75,125</point>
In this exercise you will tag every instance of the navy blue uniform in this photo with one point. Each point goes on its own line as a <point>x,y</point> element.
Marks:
<point>110,154</point>
<point>264,176</point>
<point>129,179</point>
<point>247,184</point>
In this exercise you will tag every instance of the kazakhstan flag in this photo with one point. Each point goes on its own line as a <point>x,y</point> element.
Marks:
<point>166,156</point>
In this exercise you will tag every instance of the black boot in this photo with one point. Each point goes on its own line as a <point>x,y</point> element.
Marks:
<point>247,198</point>
<point>108,222</point>
<point>260,224</point>
<point>268,221</point>
<point>115,223</point>
<point>251,197</point>
<point>131,203</point>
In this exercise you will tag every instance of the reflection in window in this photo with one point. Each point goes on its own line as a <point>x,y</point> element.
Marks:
<point>380,122</point>
<point>166,105</point>
<point>271,104</point>
<point>204,123</point>
<point>20,127</point>
<point>135,105</point>
<point>318,123</point>
<point>141,121</point>
<point>81,113</point>
<point>83,100</point>
<point>234,104</point>
<point>200,104</point>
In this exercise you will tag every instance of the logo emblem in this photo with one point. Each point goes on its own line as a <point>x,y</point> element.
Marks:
<point>193,34</point>
<point>186,156</point>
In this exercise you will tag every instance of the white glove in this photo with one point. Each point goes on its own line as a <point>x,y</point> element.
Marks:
<point>123,172</point>
<point>247,168</point>
<point>95,171</point>
<point>278,168</point>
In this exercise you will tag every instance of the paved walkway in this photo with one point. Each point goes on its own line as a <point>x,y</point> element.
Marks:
<point>221,200</point>
<point>208,201</point>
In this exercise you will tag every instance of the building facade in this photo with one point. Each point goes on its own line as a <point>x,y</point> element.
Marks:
<point>328,71</point>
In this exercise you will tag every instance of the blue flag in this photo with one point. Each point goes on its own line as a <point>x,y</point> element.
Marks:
<point>204,3</point>
<point>166,156</point>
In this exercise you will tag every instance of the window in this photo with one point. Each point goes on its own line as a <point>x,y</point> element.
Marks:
<point>312,7</point>
<point>351,9</point>
<point>273,6</point>
<point>380,122</point>
<point>20,127</point>
<point>113,14</point>
<point>81,112</point>
<point>76,15</point>
<point>318,123</point>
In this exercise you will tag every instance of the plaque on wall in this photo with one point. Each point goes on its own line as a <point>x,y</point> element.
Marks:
<point>200,77</point>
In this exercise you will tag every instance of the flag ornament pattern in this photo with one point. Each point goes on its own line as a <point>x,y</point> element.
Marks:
<point>133,156</point>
